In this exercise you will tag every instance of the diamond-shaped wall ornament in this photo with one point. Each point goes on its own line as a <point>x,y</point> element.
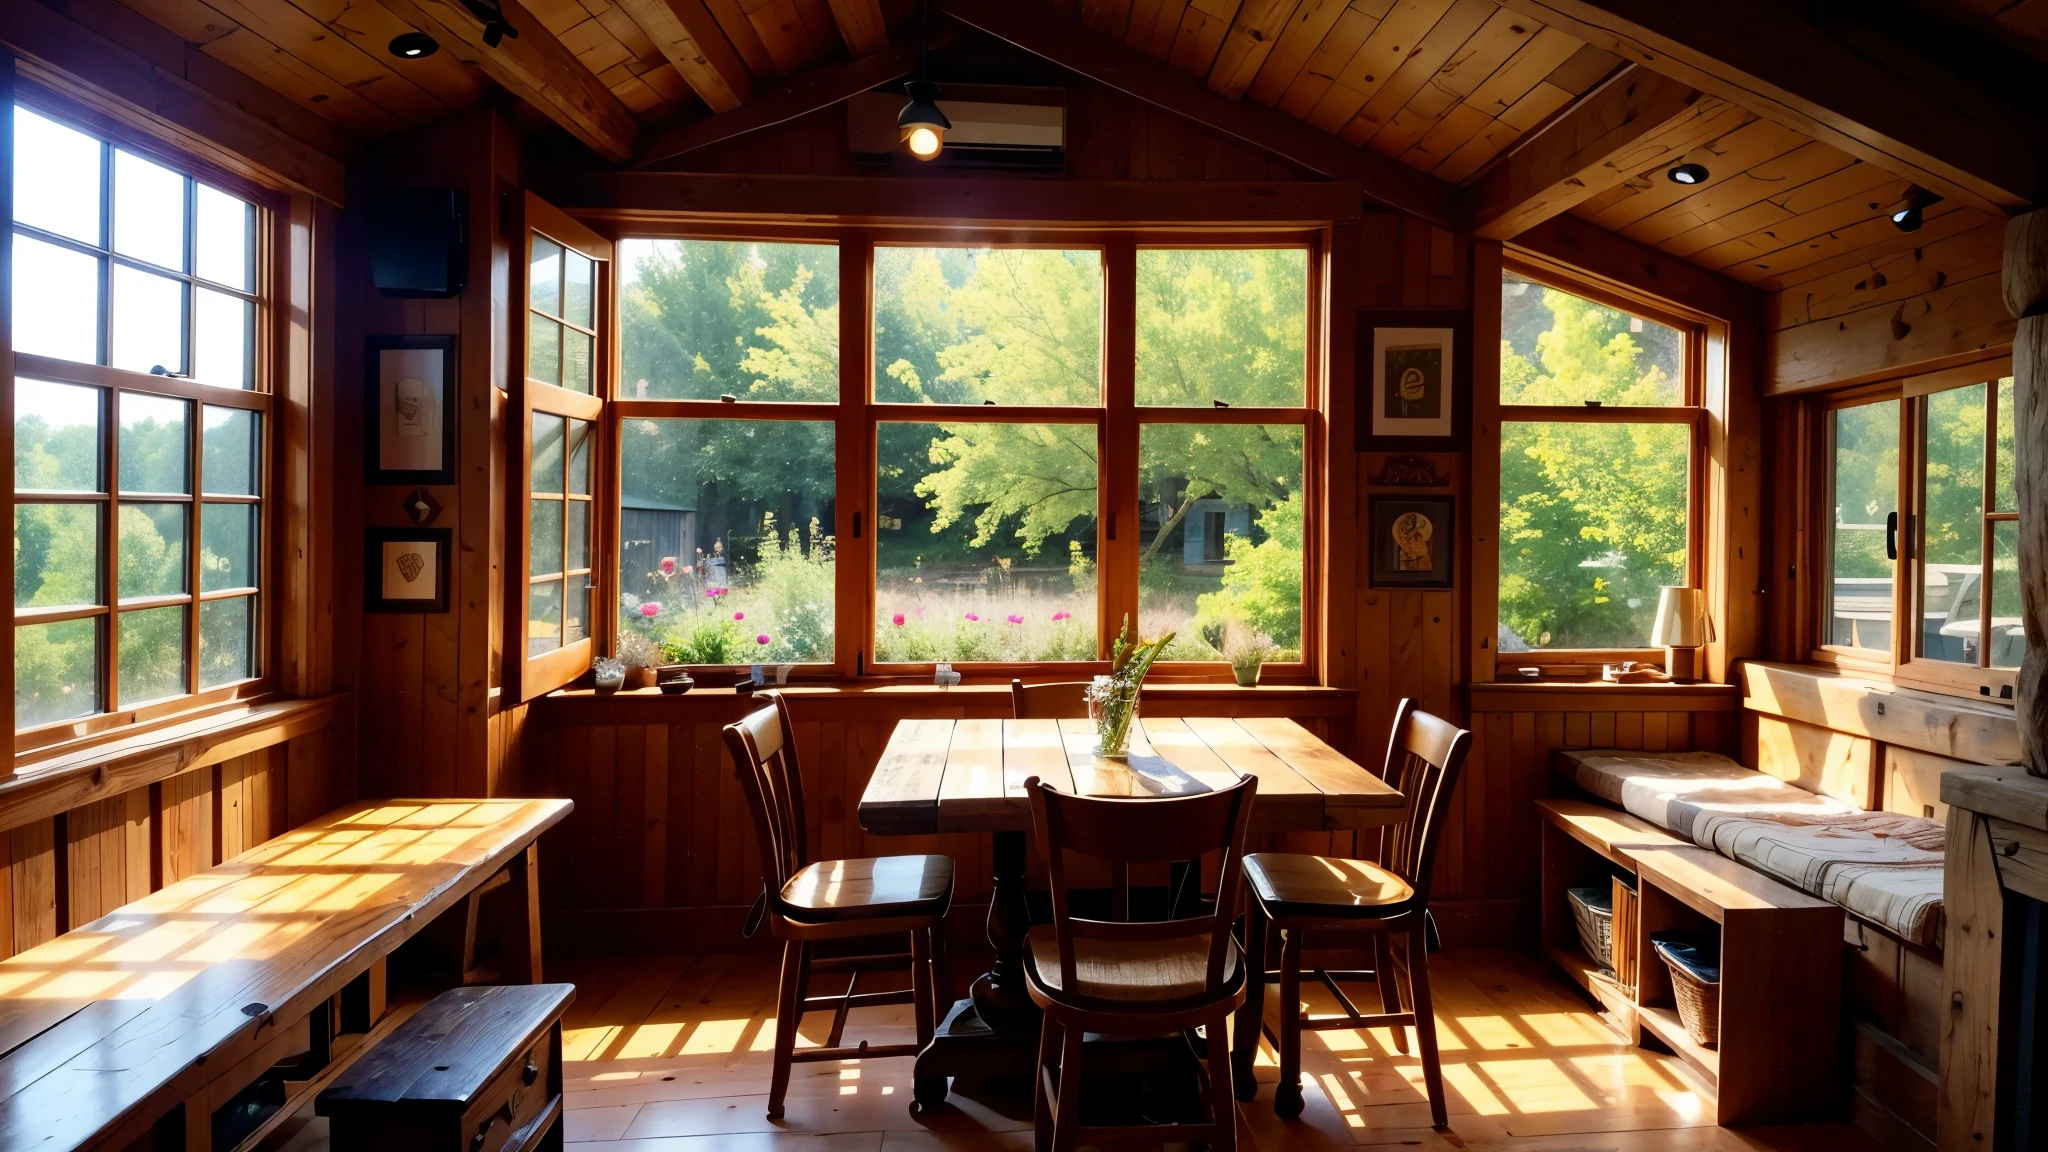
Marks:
<point>421,507</point>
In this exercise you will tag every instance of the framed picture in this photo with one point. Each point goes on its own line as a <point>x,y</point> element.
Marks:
<point>1415,380</point>
<point>1411,541</point>
<point>406,569</point>
<point>409,398</point>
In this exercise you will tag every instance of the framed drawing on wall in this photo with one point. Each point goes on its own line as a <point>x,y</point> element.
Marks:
<point>1414,380</point>
<point>410,406</point>
<point>406,569</point>
<point>1411,541</point>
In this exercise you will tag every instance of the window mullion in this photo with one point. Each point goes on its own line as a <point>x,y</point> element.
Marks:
<point>854,461</point>
<point>1117,535</point>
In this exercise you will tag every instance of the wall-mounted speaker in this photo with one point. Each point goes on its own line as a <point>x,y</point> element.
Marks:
<point>416,242</point>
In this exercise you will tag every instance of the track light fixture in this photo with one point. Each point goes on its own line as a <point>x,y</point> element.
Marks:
<point>1909,213</point>
<point>492,15</point>
<point>1688,174</point>
<point>414,45</point>
<point>922,125</point>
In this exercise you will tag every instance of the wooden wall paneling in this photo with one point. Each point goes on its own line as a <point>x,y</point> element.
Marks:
<point>107,850</point>
<point>185,819</point>
<point>628,828</point>
<point>1817,759</point>
<point>34,883</point>
<point>1912,780</point>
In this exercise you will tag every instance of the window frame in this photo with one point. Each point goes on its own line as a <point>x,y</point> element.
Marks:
<point>857,416</point>
<point>268,268</point>
<point>1692,411</point>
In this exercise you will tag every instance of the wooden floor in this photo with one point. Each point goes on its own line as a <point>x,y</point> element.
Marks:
<point>672,1055</point>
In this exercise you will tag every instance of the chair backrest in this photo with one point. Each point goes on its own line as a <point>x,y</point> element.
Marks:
<point>1132,831</point>
<point>1425,757</point>
<point>1063,701</point>
<point>763,747</point>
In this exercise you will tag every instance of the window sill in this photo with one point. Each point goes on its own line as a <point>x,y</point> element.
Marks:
<point>1600,696</point>
<point>57,779</point>
<point>854,701</point>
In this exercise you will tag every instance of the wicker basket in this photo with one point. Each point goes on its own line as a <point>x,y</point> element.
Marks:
<point>1695,985</point>
<point>1593,912</point>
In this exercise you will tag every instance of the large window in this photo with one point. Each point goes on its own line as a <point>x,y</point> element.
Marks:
<point>140,422</point>
<point>1601,426</point>
<point>1012,474</point>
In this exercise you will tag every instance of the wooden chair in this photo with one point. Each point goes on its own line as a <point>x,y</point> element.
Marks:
<point>810,902</point>
<point>1301,894</point>
<point>1107,976</point>
<point>1062,701</point>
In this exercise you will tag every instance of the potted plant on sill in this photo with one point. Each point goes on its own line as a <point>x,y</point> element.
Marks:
<point>1247,650</point>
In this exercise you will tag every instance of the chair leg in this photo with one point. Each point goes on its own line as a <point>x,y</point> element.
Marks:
<point>1251,1017</point>
<point>1223,1102</point>
<point>1041,1102</point>
<point>1287,1101</point>
<point>1425,1022</point>
<point>1390,990</point>
<point>1066,1123</point>
<point>926,1091</point>
<point>788,1014</point>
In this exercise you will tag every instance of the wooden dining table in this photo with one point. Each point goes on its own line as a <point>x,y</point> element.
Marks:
<point>968,776</point>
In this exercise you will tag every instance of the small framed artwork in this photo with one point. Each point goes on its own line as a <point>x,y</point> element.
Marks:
<point>1415,380</point>
<point>406,569</point>
<point>409,401</point>
<point>1411,541</point>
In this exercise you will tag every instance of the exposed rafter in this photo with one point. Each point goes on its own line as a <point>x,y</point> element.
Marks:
<point>535,67</point>
<point>1636,122</point>
<point>687,33</point>
<point>1846,83</point>
<point>861,25</point>
<point>1042,31</point>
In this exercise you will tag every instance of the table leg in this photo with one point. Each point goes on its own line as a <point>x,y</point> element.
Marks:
<point>999,993</point>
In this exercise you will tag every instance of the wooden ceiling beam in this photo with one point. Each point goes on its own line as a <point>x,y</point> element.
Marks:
<point>815,89</point>
<point>1843,81</point>
<point>687,33</point>
<point>533,66</point>
<point>1638,121</point>
<point>861,25</point>
<point>1041,31</point>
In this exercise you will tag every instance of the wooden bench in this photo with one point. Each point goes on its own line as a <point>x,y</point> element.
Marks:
<point>215,1004</point>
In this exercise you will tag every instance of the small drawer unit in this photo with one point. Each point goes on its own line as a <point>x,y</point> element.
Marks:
<point>476,1070</point>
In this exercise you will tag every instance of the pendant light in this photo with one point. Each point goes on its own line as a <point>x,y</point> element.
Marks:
<point>922,125</point>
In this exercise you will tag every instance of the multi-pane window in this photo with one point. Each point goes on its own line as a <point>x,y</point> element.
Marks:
<point>1600,425</point>
<point>138,493</point>
<point>1862,530</point>
<point>1968,588</point>
<point>1020,491</point>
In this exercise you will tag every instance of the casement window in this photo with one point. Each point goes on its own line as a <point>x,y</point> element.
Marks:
<point>876,454</point>
<point>1602,428</point>
<point>142,417</point>
<point>1919,532</point>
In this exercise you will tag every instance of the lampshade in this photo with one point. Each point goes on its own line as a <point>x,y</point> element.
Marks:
<point>1682,620</point>
<point>922,125</point>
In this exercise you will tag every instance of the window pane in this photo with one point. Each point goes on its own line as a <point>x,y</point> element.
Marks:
<point>226,246</point>
<point>152,550</point>
<point>152,656</point>
<point>221,330</point>
<point>985,542</point>
<point>2008,636</point>
<point>225,651</point>
<point>545,548</point>
<point>148,315</point>
<point>1593,520</point>
<point>56,555</point>
<point>56,437</point>
<point>56,180</point>
<point>153,444</point>
<point>974,325</point>
<point>726,537</point>
<point>1222,325</point>
<point>543,618</point>
<point>1865,489</point>
<point>576,361</point>
<point>579,457</point>
<point>579,535</point>
<point>579,273</point>
<point>544,351</point>
<point>1952,535</point>
<point>2003,493</point>
<point>56,672</point>
<point>576,612</point>
<point>233,451</point>
<point>547,452</point>
<point>1557,348</point>
<point>227,547</point>
<point>701,318</point>
<point>56,301</point>
<point>1220,535</point>
<point>545,276</point>
<point>149,211</point>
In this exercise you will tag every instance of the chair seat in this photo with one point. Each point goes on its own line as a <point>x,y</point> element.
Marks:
<point>877,888</point>
<point>1291,884</point>
<point>1132,971</point>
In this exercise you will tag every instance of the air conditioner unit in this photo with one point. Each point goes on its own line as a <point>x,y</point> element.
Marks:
<point>993,126</point>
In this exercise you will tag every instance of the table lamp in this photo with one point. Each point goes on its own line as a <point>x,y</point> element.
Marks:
<point>1682,626</point>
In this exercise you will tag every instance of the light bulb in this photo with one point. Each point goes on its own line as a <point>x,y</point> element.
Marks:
<point>924,142</point>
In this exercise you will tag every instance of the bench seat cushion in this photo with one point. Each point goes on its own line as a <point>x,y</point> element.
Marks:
<point>1672,789</point>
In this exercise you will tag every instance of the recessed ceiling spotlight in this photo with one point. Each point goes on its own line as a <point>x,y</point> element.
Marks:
<point>414,45</point>
<point>1688,174</point>
<point>1909,213</point>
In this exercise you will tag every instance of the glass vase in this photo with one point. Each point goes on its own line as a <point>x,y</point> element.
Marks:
<point>1112,706</point>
